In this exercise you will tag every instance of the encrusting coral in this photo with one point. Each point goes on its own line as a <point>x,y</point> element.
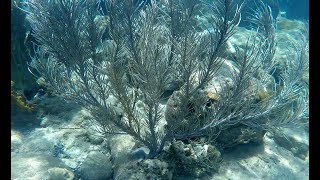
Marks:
<point>19,100</point>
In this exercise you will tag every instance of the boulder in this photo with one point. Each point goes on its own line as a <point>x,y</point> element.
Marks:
<point>96,166</point>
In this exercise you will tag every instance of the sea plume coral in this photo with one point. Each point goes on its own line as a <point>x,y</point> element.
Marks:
<point>149,47</point>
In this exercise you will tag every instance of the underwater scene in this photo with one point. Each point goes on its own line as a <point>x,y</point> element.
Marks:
<point>159,89</point>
